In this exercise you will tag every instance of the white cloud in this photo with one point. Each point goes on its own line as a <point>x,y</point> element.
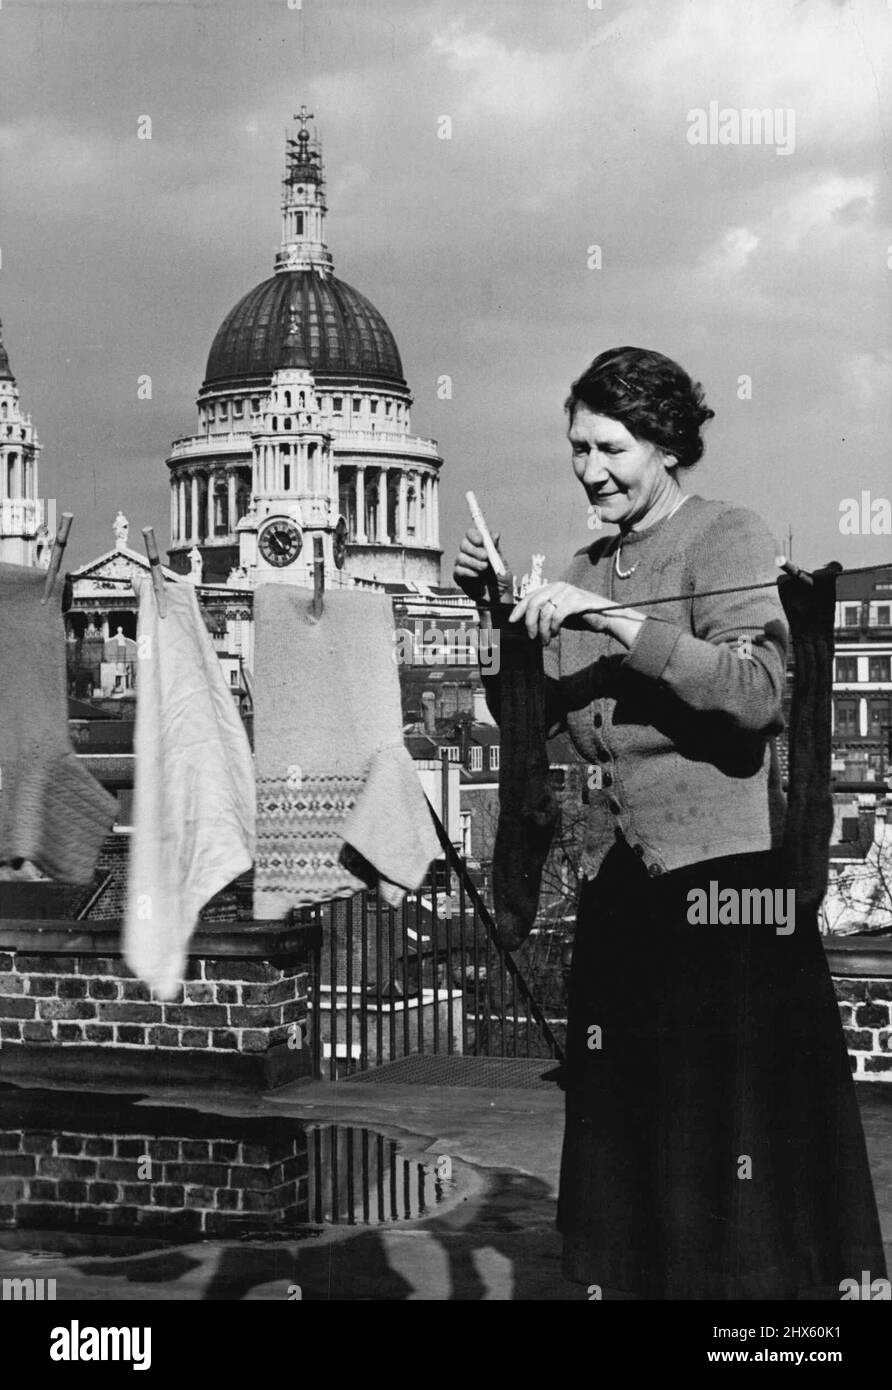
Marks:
<point>731,254</point>
<point>868,377</point>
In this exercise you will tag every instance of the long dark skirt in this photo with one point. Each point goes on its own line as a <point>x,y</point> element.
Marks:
<point>713,1146</point>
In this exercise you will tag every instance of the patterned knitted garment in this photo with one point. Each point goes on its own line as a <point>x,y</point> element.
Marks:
<point>809,824</point>
<point>339,804</point>
<point>52,812</point>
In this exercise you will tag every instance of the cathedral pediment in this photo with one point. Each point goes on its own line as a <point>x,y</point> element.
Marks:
<point>116,565</point>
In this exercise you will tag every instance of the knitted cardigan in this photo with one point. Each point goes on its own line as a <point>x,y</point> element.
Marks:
<point>678,730</point>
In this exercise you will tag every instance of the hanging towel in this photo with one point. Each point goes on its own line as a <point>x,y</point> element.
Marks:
<point>810,611</point>
<point>52,811</point>
<point>193,799</point>
<point>339,804</point>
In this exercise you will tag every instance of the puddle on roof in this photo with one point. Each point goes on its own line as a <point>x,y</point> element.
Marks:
<point>81,1170</point>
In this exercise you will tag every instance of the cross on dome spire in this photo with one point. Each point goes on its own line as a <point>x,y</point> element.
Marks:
<point>303,203</point>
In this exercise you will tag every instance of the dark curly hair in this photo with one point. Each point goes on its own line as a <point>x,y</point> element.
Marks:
<point>650,394</point>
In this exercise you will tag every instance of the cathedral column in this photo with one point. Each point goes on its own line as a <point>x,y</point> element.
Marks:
<point>383,534</point>
<point>401,510</point>
<point>181,527</point>
<point>173,512</point>
<point>426,491</point>
<point>435,514</point>
<point>194,536</point>
<point>230,513</point>
<point>360,503</point>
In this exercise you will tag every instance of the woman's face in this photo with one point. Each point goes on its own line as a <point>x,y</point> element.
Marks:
<point>623,476</point>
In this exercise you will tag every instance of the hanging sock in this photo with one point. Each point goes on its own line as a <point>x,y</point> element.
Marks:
<point>810,612</point>
<point>339,803</point>
<point>528,808</point>
<point>193,799</point>
<point>53,813</point>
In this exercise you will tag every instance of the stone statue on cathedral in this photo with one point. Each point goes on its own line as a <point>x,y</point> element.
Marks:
<point>121,530</point>
<point>196,574</point>
<point>534,579</point>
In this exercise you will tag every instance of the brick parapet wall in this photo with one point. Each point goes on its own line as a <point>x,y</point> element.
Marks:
<point>865,1006</point>
<point>224,1005</point>
<point>241,1015</point>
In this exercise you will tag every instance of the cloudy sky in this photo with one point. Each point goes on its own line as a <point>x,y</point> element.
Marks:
<point>570,127</point>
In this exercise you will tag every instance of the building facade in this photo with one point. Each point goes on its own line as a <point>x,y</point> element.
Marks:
<point>862,686</point>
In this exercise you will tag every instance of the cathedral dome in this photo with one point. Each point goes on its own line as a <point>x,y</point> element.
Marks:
<point>344,336</point>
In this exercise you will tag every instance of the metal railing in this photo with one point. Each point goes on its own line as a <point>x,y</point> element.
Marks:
<point>427,978</point>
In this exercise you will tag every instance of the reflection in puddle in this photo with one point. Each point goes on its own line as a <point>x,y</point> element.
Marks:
<point>100,1164</point>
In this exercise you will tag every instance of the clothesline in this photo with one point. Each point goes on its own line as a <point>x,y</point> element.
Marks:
<point>665,598</point>
<point>702,593</point>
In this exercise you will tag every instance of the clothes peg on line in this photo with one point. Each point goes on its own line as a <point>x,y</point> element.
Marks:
<point>793,570</point>
<point>58,551</point>
<point>248,678</point>
<point>318,577</point>
<point>148,533</point>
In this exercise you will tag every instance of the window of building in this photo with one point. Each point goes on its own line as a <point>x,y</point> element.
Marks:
<point>878,668</point>
<point>286,476</point>
<point>878,714</point>
<point>846,668</point>
<point>238,408</point>
<point>210,412</point>
<point>851,614</point>
<point>884,615</point>
<point>846,717</point>
<point>337,405</point>
<point>223,410</point>
<point>287,424</point>
<point>388,407</point>
<point>300,224</point>
<point>373,407</point>
<point>357,404</point>
<point>233,676</point>
<point>494,757</point>
<point>452,751</point>
<point>255,404</point>
<point>464,826</point>
<point>475,761</point>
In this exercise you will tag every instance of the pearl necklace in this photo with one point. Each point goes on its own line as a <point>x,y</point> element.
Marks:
<point>626,574</point>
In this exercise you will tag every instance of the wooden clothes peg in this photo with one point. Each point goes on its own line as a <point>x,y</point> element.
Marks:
<point>318,577</point>
<point>793,570</point>
<point>151,545</point>
<point>58,551</point>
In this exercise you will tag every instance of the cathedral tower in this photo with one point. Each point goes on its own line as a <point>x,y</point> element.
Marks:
<point>24,538</point>
<point>344,464</point>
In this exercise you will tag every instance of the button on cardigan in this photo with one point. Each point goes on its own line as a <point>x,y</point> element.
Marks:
<point>681,725</point>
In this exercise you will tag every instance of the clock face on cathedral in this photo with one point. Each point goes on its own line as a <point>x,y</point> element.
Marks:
<point>280,542</point>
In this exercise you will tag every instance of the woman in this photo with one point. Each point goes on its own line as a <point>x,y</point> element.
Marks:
<point>713,1147</point>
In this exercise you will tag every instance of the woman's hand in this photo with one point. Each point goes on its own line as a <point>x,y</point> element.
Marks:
<point>472,569</point>
<point>545,611</point>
